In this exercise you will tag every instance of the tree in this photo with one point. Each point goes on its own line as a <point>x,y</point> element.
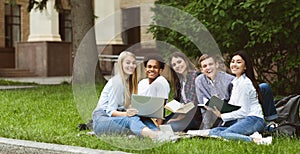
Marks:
<point>268,30</point>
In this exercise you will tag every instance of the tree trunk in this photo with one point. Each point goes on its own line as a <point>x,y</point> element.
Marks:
<point>84,39</point>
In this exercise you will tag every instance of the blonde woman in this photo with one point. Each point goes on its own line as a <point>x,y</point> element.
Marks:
<point>113,114</point>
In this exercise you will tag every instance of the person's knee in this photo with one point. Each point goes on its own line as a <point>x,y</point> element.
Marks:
<point>264,87</point>
<point>134,118</point>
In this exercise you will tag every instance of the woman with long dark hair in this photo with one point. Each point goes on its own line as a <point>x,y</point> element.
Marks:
<point>246,94</point>
<point>184,74</point>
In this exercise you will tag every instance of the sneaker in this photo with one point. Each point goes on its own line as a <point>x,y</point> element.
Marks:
<point>270,126</point>
<point>256,135</point>
<point>166,137</point>
<point>264,141</point>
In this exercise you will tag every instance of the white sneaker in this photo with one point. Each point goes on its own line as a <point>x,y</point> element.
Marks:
<point>204,132</point>
<point>256,135</point>
<point>166,137</point>
<point>264,141</point>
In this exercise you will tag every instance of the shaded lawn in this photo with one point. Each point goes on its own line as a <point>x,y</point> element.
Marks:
<point>49,114</point>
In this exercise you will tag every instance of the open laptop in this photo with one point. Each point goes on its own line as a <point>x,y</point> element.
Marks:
<point>148,106</point>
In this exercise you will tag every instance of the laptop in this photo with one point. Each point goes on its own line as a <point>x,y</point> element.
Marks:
<point>148,106</point>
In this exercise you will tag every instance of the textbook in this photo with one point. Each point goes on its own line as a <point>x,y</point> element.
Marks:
<point>176,107</point>
<point>221,105</point>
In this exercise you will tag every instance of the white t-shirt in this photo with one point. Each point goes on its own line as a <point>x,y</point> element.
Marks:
<point>158,88</point>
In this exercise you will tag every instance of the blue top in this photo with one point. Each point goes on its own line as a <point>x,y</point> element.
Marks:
<point>112,96</point>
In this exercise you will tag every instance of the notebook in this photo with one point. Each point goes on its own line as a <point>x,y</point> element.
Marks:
<point>148,106</point>
<point>221,105</point>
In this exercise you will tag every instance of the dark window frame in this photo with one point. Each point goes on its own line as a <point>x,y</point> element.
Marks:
<point>10,24</point>
<point>63,21</point>
<point>131,35</point>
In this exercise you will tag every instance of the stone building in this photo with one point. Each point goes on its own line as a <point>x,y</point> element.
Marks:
<point>39,43</point>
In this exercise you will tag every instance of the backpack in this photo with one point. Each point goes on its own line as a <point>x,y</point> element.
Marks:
<point>86,126</point>
<point>288,110</point>
<point>286,130</point>
<point>288,121</point>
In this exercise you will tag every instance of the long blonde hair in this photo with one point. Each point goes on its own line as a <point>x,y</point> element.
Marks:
<point>130,84</point>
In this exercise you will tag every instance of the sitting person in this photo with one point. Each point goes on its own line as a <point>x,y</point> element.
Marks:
<point>184,74</point>
<point>113,114</point>
<point>246,94</point>
<point>214,82</point>
<point>155,84</point>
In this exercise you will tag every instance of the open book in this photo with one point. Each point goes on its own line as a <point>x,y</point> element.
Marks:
<point>221,105</point>
<point>177,107</point>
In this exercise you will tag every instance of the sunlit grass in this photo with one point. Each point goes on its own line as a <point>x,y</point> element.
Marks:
<point>49,114</point>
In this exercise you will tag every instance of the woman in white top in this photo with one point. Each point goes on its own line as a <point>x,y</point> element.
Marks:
<point>113,114</point>
<point>246,94</point>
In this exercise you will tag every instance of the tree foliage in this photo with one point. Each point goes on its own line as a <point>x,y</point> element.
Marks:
<point>268,30</point>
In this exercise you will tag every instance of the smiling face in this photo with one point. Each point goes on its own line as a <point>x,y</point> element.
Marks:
<point>179,65</point>
<point>152,70</point>
<point>209,68</point>
<point>129,65</point>
<point>237,65</point>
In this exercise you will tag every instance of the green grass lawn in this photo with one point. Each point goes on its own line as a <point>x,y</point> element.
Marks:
<point>49,114</point>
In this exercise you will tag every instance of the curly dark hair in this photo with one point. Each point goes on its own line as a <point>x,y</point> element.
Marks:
<point>156,57</point>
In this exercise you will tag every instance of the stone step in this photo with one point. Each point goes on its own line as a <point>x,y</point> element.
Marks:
<point>12,72</point>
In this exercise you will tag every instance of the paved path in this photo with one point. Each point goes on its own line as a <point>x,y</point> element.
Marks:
<point>10,146</point>
<point>42,80</point>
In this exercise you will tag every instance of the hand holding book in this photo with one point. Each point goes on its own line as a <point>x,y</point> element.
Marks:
<point>177,107</point>
<point>214,110</point>
<point>221,105</point>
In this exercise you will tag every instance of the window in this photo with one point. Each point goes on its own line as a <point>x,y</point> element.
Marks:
<point>65,25</point>
<point>131,17</point>
<point>12,25</point>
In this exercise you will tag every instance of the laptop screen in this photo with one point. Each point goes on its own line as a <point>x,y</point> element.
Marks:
<point>148,106</point>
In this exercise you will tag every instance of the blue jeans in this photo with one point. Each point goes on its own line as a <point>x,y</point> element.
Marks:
<point>240,130</point>
<point>104,124</point>
<point>268,105</point>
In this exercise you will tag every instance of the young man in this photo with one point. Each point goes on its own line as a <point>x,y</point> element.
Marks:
<point>155,84</point>
<point>214,82</point>
<point>211,82</point>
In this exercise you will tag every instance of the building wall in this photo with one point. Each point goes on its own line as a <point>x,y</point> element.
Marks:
<point>132,3</point>
<point>45,58</point>
<point>145,18</point>
<point>2,27</point>
<point>24,20</point>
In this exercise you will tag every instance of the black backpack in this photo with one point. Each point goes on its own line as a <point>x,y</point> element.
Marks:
<point>288,121</point>
<point>288,109</point>
<point>287,130</point>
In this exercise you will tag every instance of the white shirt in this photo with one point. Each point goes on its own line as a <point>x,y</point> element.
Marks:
<point>243,94</point>
<point>158,88</point>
